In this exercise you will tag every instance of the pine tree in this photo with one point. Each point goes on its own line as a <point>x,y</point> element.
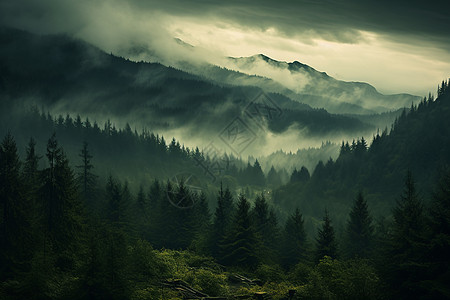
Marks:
<point>407,244</point>
<point>202,214</point>
<point>141,213</point>
<point>32,181</point>
<point>30,173</point>
<point>221,222</point>
<point>202,224</point>
<point>86,179</point>
<point>241,241</point>
<point>155,196</point>
<point>440,237</point>
<point>326,241</point>
<point>260,214</point>
<point>273,177</point>
<point>117,205</point>
<point>183,218</point>
<point>266,229</point>
<point>62,212</point>
<point>359,230</point>
<point>116,241</point>
<point>14,225</point>
<point>294,246</point>
<point>300,176</point>
<point>257,174</point>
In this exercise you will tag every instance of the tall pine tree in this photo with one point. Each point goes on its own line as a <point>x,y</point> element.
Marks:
<point>221,222</point>
<point>404,265</point>
<point>86,178</point>
<point>14,225</point>
<point>359,231</point>
<point>241,241</point>
<point>295,247</point>
<point>326,241</point>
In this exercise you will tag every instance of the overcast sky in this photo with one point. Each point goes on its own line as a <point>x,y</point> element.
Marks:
<point>398,46</point>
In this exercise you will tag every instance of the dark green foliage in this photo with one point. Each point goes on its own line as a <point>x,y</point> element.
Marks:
<point>300,176</point>
<point>418,141</point>
<point>115,239</point>
<point>141,213</point>
<point>86,178</point>
<point>14,221</point>
<point>201,224</point>
<point>266,230</point>
<point>221,223</point>
<point>30,172</point>
<point>273,177</point>
<point>326,241</point>
<point>406,248</point>
<point>439,244</point>
<point>333,279</point>
<point>295,245</point>
<point>51,250</point>
<point>252,175</point>
<point>359,231</point>
<point>62,209</point>
<point>240,246</point>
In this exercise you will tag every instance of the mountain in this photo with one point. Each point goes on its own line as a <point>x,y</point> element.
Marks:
<point>318,89</point>
<point>65,75</point>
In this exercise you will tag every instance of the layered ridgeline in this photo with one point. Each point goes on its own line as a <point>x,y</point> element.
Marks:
<point>302,84</point>
<point>318,89</point>
<point>65,75</point>
<point>418,142</point>
<point>296,80</point>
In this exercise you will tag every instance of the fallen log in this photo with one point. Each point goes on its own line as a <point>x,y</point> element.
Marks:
<point>185,289</point>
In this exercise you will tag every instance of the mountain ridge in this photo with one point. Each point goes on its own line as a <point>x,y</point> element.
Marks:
<point>68,76</point>
<point>338,96</point>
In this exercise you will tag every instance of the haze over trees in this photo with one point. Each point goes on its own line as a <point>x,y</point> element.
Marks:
<point>90,209</point>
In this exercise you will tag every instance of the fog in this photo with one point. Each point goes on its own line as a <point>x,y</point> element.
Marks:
<point>351,45</point>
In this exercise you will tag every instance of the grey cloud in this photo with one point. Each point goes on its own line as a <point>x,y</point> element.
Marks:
<point>335,20</point>
<point>330,19</point>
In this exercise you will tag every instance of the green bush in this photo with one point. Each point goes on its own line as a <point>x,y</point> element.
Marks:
<point>300,273</point>
<point>210,283</point>
<point>332,279</point>
<point>270,273</point>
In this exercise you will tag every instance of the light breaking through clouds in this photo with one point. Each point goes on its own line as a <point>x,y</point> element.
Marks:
<point>398,46</point>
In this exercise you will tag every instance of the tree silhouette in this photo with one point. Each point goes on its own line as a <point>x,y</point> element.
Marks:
<point>13,222</point>
<point>359,230</point>
<point>407,242</point>
<point>326,241</point>
<point>86,179</point>
<point>240,247</point>
<point>294,240</point>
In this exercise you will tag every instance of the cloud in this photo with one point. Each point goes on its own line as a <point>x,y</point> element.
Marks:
<point>349,39</point>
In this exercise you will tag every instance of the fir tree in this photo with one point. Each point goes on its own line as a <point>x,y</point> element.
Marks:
<point>407,242</point>
<point>221,222</point>
<point>116,240</point>
<point>359,230</point>
<point>14,225</point>
<point>439,243</point>
<point>294,240</point>
<point>86,179</point>
<point>326,241</point>
<point>240,246</point>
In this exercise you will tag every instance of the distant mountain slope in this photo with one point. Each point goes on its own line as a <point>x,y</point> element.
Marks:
<point>419,141</point>
<point>318,89</point>
<point>67,75</point>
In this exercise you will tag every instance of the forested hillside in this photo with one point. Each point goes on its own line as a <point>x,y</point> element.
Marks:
<point>65,75</point>
<point>69,233</point>
<point>418,142</point>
